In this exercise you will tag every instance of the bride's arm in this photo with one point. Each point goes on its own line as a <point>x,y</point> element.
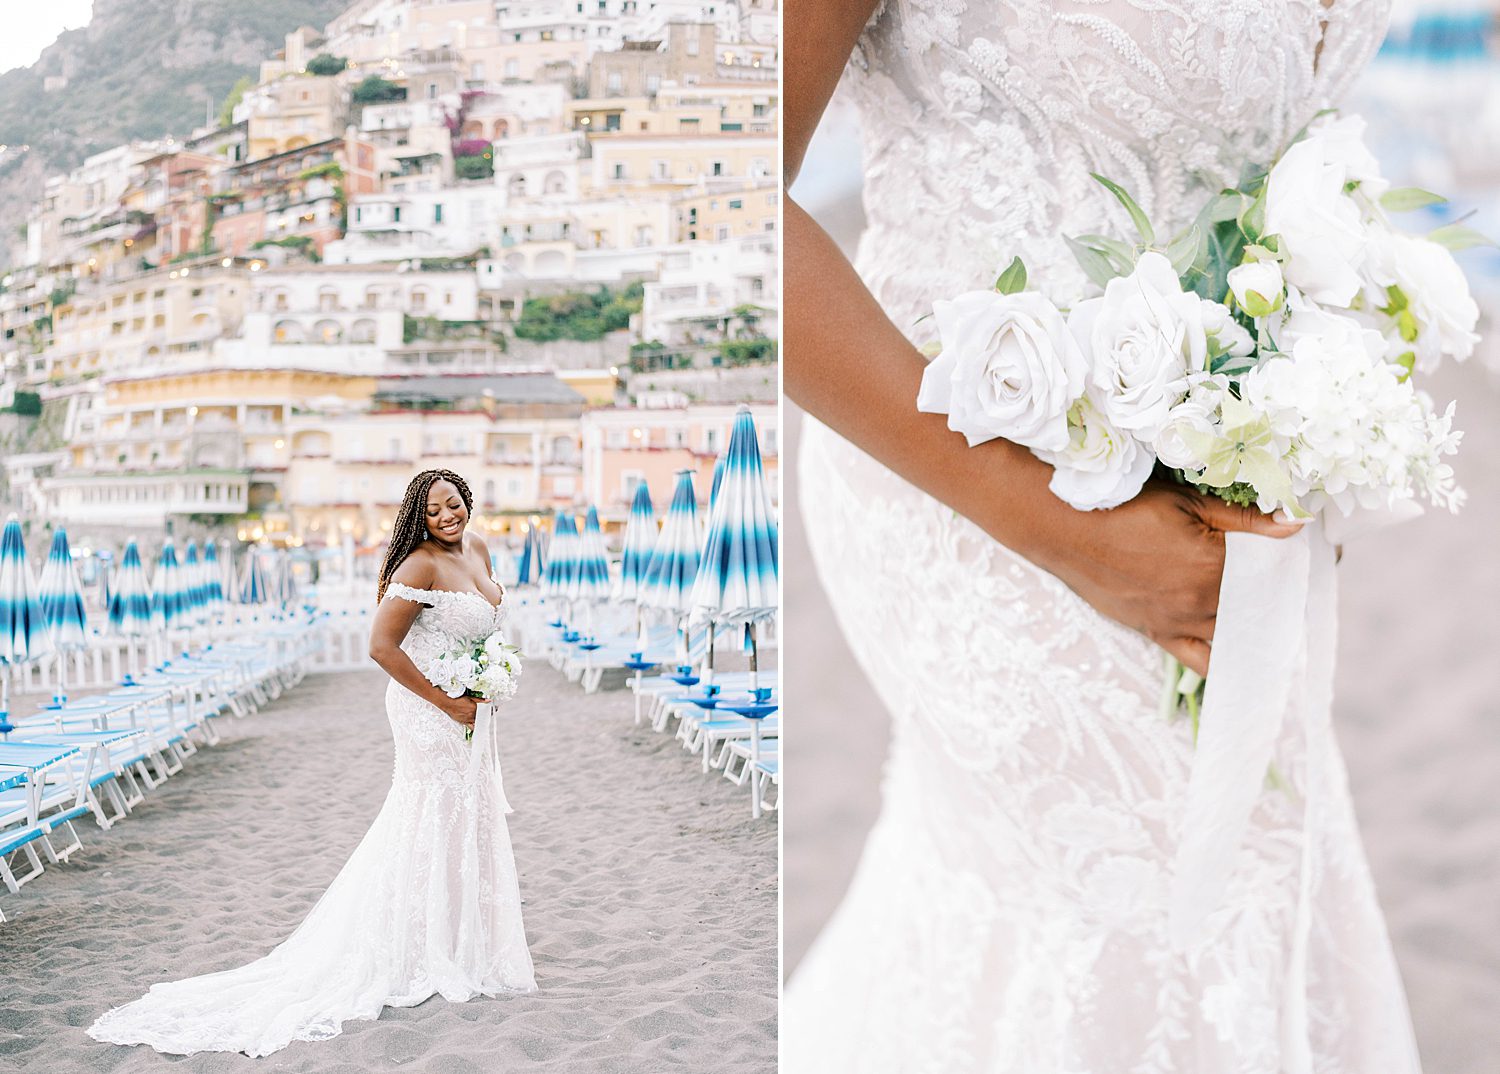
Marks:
<point>393,618</point>
<point>1153,564</point>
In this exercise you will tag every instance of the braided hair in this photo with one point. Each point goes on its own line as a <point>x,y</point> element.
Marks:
<point>410,527</point>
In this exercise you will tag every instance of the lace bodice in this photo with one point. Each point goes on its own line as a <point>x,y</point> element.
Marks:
<point>984,121</point>
<point>449,620</point>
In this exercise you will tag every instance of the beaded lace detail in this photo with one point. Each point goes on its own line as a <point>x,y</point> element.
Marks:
<point>1009,913</point>
<point>428,903</point>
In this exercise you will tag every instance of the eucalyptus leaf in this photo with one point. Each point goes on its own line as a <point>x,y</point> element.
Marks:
<point>1117,250</point>
<point>1459,237</point>
<point>1013,279</point>
<point>1185,250</point>
<point>1137,217</point>
<point>1403,199</point>
<point>1096,266</point>
<point>1252,218</point>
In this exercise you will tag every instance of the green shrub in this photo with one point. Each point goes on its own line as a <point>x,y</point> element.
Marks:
<point>374,89</point>
<point>27,404</point>
<point>323,65</point>
<point>578,315</point>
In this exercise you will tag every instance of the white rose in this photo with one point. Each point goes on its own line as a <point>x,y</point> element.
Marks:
<point>1257,287</point>
<point>1144,336</point>
<point>1198,413</point>
<point>1102,466</point>
<point>1320,226</point>
<point>1300,318</point>
<point>1443,313</point>
<point>1008,368</point>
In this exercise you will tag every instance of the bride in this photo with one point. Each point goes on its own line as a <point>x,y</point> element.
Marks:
<point>428,903</point>
<point>1009,913</point>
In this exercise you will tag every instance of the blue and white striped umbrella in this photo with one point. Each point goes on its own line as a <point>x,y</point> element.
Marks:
<point>61,596</point>
<point>674,561</point>
<point>192,575</point>
<point>640,535</point>
<point>130,598</point>
<point>169,604</point>
<point>563,566</point>
<point>215,590</point>
<point>737,580</point>
<point>591,580</point>
<point>528,571</point>
<point>254,586</point>
<point>23,628</point>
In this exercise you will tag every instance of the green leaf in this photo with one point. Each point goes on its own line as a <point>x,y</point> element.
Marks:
<point>1232,365</point>
<point>1137,217</point>
<point>1224,206</point>
<point>1403,199</point>
<point>1258,305</point>
<point>1013,279</point>
<point>1096,266</point>
<point>1459,237</point>
<point>1122,254</point>
<point>1185,250</point>
<point>1256,252</point>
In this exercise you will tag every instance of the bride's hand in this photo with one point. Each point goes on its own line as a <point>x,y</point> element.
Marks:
<point>1155,563</point>
<point>462,709</point>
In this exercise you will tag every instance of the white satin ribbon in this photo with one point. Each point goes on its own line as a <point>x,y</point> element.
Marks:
<point>1272,663</point>
<point>486,741</point>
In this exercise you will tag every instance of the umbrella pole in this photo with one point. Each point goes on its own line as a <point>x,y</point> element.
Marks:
<point>5,725</point>
<point>708,673</point>
<point>61,693</point>
<point>754,660</point>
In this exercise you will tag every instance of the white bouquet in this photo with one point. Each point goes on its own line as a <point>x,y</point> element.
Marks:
<point>489,669</point>
<point>1266,354</point>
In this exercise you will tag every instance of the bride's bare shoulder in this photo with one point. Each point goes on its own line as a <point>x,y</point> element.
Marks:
<point>417,570</point>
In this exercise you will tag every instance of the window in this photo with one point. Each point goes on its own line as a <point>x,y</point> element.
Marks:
<point>418,299</point>
<point>513,67</point>
<point>687,126</point>
<point>653,83</point>
<point>396,214</point>
<point>437,213</point>
<point>629,480</point>
<point>432,91</point>
<point>692,46</point>
<point>722,232</point>
<point>618,172</point>
<point>717,168</point>
<point>614,83</point>
<point>758,110</point>
<point>661,169</point>
<point>736,203</point>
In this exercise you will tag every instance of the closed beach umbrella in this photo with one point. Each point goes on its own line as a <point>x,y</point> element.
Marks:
<point>563,565</point>
<point>169,606</point>
<point>23,629</point>
<point>737,581</point>
<point>192,575</point>
<point>254,587</point>
<point>590,580</point>
<point>61,597</point>
<point>213,580</point>
<point>527,571</point>
<point>130,601</point>
<point>640,535</point>
<point>674,560</point>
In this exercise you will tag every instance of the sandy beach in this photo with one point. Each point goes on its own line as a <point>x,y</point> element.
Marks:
<point>650,897</point>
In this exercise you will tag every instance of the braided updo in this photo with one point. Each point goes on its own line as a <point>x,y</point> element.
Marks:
<point>410,527</point>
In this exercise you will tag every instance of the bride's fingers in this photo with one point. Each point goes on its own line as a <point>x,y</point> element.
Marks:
<point>1191,652</point>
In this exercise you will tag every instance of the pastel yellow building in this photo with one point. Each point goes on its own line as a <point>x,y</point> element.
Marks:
<point>623,162</point>
<point>295,111</point>
<point>727,211</point>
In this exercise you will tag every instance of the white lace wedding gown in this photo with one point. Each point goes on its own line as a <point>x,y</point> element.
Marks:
<point>1009,912</point>
<point>427,904</point>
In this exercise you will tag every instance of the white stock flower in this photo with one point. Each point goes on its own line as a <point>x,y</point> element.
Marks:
<point>1196,414</point>
<point>1008,368</point>
<point>1442,312</point>
<point>1257,287</point>
<point>1143,337</point>
<point>1321,227</point>
<point>1360,437</point>
<point>1102,466</point>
